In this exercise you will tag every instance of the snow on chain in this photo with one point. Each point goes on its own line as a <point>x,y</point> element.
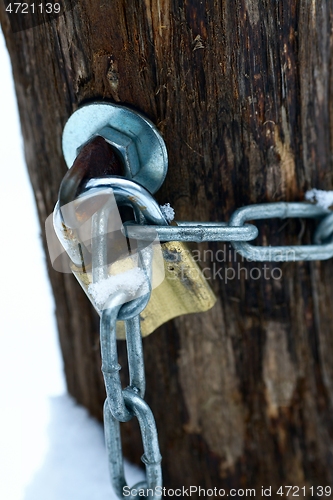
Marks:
<point>322,198</point>
<point>168,212</point>
<point>130,281</point>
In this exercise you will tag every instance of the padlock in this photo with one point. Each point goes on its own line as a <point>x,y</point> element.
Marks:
<point>104,139</point>
<point>183,290</point>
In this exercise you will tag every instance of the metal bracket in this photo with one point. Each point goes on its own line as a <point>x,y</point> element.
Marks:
<point>137,140</point>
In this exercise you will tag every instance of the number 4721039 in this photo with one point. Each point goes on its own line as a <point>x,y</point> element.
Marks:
<point>32,8</point>
<point>296,491</point>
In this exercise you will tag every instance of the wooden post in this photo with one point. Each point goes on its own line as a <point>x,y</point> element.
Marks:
<point>242,92</point>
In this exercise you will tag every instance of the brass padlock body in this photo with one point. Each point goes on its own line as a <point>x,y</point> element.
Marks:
<point>184,290</point>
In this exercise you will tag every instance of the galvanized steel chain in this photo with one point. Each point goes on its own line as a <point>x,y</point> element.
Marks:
<point>239,233</point>
<point>145,161</point>
<point>122,404</point>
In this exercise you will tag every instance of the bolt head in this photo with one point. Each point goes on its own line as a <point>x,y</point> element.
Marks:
<point>137,140</point>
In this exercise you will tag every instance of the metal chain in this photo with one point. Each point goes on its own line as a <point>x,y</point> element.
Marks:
<point>150,168</point>
<point>292,253</point>
<point>239,233</point>
<point>122,404</point>
<point>115,123</point>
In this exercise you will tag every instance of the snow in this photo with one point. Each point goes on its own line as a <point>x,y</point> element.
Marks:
<point>50,449</point>
<point>76,442</point>
<point>130,280</point>
<point>322,198</point>
<point>168,212</point>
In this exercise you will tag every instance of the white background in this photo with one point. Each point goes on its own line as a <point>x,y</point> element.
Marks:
<point>50,449</point>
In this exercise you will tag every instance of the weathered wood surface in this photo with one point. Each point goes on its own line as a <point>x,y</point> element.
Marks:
<point>242,92</point>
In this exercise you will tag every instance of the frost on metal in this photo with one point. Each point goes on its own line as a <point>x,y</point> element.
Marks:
<point>131,280</point>
<point>168,212</point>
<point>322,198</point>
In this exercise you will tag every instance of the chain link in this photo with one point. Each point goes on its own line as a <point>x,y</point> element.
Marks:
<point>289,253</point>
<point>194,231</point>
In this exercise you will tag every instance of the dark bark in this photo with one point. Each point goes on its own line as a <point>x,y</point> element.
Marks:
<point>242,92</point>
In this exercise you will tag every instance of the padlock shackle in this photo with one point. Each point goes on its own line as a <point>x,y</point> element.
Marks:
<point>125,191</point>
<point>132,193</point>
